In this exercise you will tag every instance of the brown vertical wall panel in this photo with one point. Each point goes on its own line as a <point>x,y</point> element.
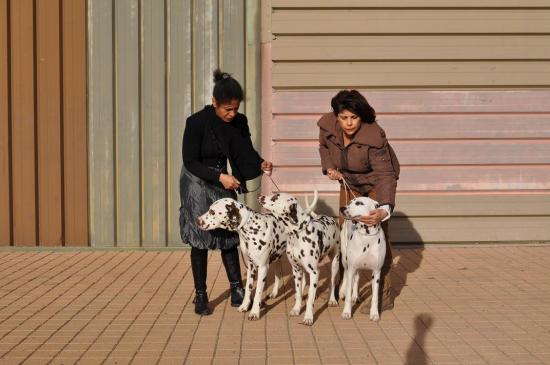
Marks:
<point>23,123</point>
<point>5,219</point>
<point>49,123</point>
<point>75,166</point>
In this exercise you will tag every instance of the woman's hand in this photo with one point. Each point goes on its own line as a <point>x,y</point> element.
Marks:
<point>334,175</point>
<point>374,217</point>
<point>229,182</point>
<point>267,167</point>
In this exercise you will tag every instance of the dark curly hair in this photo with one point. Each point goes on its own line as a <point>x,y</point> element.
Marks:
<point>353,101</point>
<point>226,88</point>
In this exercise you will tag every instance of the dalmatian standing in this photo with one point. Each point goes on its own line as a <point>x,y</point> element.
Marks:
<point>311,238</point>
<point>263,240</point>
<point>362,247</point>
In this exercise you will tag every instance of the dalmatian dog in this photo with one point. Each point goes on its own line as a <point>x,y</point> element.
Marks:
<point>362,247</point>
<point>311,238</point>
<point>263,240</point>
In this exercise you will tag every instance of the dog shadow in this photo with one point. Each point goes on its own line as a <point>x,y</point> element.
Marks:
<point>407,255</point>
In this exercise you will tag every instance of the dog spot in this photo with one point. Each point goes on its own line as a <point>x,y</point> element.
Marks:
<point>364,249</point>
<point>377,281</point>
<point>211,211</point>
<point>293,212</point>
<point>315,285</point>
<point>359,203</point>
<point>274,197</point>
<point>379,241</point>
<point>233,214</point>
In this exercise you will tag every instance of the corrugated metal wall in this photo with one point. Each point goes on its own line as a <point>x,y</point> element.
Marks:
<point>43,169</point>
<point>461,87</point>
<point>150,66</point>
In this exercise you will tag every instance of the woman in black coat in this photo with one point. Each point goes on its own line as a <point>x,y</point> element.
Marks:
<point>213,136</point>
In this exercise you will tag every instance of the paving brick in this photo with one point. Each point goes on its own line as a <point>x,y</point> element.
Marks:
<point>471,304</point>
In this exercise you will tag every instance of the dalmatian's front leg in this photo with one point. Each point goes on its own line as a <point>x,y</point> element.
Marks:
<point>260,283</point>
<point>350,273</point>
<point>297,272</point>
<point>313,280</point>
<point>248,287</point>
<point>275,290</point>
<point>335,267</point>
<point>355,293</point>
<point>374,315</point>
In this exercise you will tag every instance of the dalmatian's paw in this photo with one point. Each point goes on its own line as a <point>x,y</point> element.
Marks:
<point>374,316</point>
<point>243,307</point>
<point>346,315</point>
<point>254,316</point>
<point>294,312</point>
<point>307,321</point>
<point>333,303</point>
<point>354,299</point>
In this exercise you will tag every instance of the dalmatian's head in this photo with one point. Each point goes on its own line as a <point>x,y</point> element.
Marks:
<point>282,205</point>
<point>358,207</point>
<point>225,213</point>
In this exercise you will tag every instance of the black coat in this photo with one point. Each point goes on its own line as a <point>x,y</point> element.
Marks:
<point>208,141</point>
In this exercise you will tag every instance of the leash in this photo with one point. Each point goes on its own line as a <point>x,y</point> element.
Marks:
<point>260,185</point>
<point>346,188</point>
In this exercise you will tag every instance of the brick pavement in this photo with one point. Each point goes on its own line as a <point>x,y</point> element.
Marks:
<point>456,305</point>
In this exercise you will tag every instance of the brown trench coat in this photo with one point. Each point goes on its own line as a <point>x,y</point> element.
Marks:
<point>367,163</point>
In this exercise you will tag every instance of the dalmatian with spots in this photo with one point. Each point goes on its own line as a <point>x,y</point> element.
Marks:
<point>362,247</point>
<point>263,240</point>
<point>311,238</point>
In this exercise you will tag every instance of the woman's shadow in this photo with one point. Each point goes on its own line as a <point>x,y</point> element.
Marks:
<point>416,354</point>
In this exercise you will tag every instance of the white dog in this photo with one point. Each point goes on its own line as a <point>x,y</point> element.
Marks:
<point>263,240</point>
<point>362,247</point>
<point>311,238</point>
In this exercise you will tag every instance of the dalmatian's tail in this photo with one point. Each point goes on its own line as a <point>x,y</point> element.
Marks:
<point>310,207</point>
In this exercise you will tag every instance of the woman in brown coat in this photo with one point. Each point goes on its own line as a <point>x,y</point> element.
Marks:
<point>354,148</point>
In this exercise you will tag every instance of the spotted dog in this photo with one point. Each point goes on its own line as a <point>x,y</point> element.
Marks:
<point>311,238</point>
<point>362,247</point>
<point>263,240</point>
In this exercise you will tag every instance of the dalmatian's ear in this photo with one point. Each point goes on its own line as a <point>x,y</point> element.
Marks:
<point>233,215</point>
<point>293,212</point>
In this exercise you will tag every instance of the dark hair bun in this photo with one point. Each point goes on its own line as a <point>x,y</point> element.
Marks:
<point>219,75</point>
<point>226,88</point>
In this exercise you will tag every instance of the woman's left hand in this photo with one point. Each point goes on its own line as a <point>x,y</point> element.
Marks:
<point>267,167</point>
<point>374,217</point>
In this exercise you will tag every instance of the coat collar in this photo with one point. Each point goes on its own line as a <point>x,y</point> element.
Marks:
<point>368,134</point>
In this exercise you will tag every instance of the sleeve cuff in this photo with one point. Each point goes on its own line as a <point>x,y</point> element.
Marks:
<point>387,208</point>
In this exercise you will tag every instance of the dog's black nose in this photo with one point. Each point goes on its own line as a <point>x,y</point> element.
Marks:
<point>199,221</point>
<point>343,210</point>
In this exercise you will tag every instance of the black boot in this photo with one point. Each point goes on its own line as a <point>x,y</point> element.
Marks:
<point>230,259</point>
<point>199,261</point>
<point>201,303</point>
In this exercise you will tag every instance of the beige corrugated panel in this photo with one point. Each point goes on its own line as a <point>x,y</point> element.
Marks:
<point>462,89</point>
<point>142,88</point>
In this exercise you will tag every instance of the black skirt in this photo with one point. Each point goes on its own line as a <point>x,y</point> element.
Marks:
<point>196,196</point>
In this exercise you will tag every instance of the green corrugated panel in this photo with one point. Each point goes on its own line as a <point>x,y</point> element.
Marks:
<point>100,123</point>
<point>139,97</point>
<point>127,131</point>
